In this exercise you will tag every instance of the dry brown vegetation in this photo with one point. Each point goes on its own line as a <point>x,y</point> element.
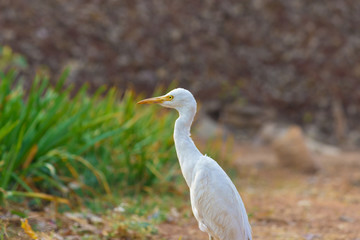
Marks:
<point>297,57</point>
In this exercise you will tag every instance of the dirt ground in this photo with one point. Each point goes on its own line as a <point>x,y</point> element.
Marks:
<point>281,203</point>
<point>287,205</point>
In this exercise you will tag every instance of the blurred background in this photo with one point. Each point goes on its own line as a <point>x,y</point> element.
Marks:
<point>277,82</point>
<point>290,61</point>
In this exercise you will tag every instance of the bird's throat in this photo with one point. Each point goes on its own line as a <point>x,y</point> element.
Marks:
<point>186,150</point>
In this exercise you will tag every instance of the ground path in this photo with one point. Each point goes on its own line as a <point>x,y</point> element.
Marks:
<point>287,205</point>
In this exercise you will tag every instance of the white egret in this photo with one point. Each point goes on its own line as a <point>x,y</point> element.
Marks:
<point>215,202</point>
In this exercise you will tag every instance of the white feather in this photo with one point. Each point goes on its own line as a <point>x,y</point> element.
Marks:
<point>217,203</point>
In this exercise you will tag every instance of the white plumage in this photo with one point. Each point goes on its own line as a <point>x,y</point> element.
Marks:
<point>215,202</point>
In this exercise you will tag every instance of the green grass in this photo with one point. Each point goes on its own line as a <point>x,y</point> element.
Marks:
<point>98,150</point>
<point>79,146</point>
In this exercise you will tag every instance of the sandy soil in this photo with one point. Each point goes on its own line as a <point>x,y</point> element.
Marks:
<point>287,205</point>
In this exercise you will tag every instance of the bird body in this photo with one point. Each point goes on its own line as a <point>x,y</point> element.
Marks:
<point>215,202</point>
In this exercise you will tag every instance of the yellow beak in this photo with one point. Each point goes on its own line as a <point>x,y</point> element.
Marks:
<point>153,100</point>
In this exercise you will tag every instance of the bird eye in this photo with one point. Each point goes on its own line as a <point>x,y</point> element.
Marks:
<point>171,97</point>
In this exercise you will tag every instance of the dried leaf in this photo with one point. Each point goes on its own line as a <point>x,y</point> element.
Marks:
<point>27,229</point>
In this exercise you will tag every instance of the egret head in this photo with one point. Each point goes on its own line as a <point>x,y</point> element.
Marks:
<point>178,98</point>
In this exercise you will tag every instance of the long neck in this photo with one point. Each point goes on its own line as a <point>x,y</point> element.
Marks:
<point>186,150</point>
